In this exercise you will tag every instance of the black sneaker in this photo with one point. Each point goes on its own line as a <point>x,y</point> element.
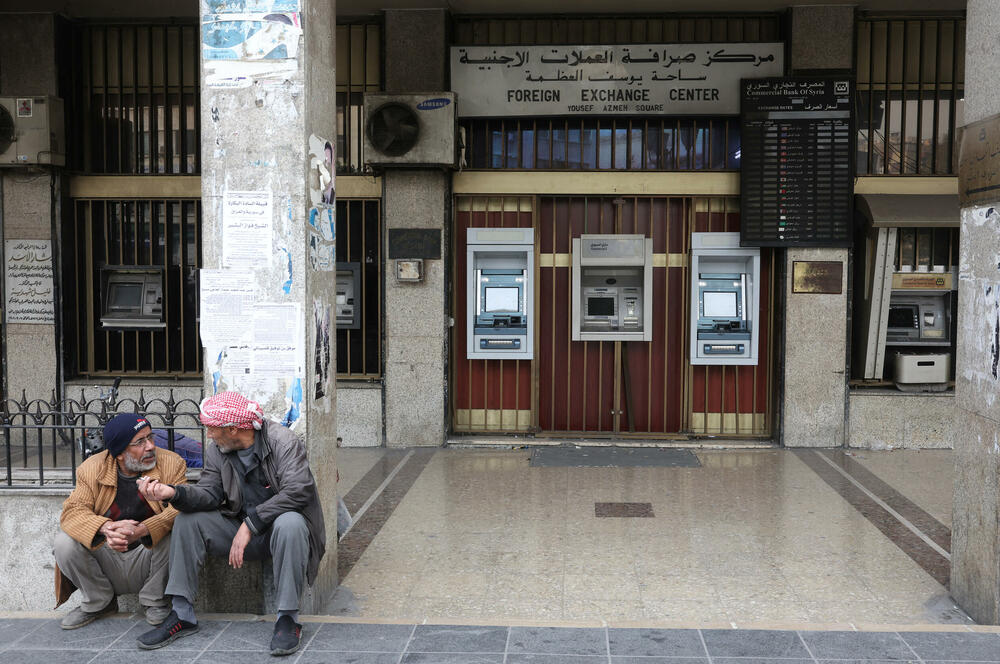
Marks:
<point>286,636</point>
<point>170,629</point>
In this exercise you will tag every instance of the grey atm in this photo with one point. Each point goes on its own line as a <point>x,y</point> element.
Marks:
<point>612,288</point>
<point>348,292</point>
<point>132,297</point>
<point>500,293</point>
<point>725,298</point>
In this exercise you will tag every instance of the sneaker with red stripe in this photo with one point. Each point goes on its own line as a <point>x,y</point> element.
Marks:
<point>170,629</point>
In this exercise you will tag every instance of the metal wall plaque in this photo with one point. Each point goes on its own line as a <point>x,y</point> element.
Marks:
<point>796,184</point>
<point>825,277</point>
<point>414,243</point>
<point>638,79</point>
<point>979,162</point>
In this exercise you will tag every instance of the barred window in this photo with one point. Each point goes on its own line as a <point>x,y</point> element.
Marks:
<point>358,244</point>
<point>359,70</point>
<point>655,144</point>
<point>135,99</point>
<point>910,74</point>
<point>163,234</point>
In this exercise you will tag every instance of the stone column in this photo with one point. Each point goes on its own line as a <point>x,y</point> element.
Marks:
<point>975,539</point>
<point>265,123</point>
<point>816,325</point>
<point>416,324</point>
<point>30,201</point>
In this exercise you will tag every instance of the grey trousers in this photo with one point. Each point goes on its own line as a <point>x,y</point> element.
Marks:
<point>196,534</point>
<point>104,573</point>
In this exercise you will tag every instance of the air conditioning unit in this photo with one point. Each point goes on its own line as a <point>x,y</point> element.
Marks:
<point>31,131</point>
<point>410,130</point>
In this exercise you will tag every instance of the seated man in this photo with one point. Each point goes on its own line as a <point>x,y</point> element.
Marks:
<point>256,499</point>
<point>107,508</point>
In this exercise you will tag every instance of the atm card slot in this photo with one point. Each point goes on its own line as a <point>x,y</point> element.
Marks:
<point>500,344</point>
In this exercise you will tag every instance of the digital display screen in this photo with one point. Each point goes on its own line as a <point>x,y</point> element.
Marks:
<point>502,299</point>
<point>902,316</point>
<point>719,304</point>
<point>125,296</point>
<point>600,306</point>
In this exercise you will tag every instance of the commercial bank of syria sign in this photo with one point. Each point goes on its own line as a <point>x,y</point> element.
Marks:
<point>643,79</point>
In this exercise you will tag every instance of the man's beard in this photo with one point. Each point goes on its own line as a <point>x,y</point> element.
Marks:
<point>138,466</point>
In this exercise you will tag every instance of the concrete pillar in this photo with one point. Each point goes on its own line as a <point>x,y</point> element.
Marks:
<point>815,354</point>
<point>29,206</point>
<point>416,324</point>
<point>975,539</point>
<point>265,123</point>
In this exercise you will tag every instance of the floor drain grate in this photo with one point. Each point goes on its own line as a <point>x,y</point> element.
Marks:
<point>627,510</point>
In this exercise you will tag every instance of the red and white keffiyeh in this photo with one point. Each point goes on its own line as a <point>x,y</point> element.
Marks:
<point>231,409</point>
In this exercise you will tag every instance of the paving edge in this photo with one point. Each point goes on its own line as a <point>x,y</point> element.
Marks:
<point>621,624</point>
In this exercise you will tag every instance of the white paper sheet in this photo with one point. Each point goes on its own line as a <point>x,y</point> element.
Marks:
<point>226,314</point>
<point>247,223</point>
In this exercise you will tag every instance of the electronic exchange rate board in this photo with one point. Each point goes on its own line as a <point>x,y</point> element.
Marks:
<point>796,184</point>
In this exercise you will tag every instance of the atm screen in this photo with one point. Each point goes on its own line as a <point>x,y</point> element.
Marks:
<point>719,304</point>
<point>903,315</point>
<point>125,296</point>
<point>600,306</point>
<point>501,299</point>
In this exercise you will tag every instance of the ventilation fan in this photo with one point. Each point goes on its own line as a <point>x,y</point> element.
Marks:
<point>393,129</point>
<point>410,130</point>
<point>6,130</point>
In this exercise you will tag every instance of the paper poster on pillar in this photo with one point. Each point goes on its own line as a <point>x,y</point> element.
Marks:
<point>227,298</point>
<point>247,228</point>
<point>322,157</point>
<point>28,281</point>
<point>244,42</point>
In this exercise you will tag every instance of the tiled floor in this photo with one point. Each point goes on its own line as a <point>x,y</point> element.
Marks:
<point>24,641</point>
<point>750,537</point>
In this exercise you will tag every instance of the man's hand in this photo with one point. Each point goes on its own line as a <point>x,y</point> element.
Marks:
<point>119,534</point>
<point>240,542</point>
<point>154,489</point>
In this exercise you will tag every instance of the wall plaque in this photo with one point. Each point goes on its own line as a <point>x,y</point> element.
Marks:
<point>979,162</point>
<point>824,277</point>
<point>414,243</point>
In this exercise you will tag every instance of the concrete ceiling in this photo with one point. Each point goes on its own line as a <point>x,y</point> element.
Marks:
<point>189,8</point>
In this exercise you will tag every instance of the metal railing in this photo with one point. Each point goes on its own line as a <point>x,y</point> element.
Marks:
<point>44,441</point>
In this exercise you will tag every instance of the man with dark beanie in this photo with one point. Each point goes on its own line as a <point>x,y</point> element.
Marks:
<point>114,541</point>
<point>256,499</point>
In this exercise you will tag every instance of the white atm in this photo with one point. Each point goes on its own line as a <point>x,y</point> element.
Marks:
<point>500,293</point>
<point>725,298</point>
<point>612,288</point>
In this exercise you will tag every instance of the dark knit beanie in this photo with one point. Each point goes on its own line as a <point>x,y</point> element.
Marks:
<point>118,433</point>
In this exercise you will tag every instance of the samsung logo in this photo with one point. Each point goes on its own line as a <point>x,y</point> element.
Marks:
<point>431,104</point>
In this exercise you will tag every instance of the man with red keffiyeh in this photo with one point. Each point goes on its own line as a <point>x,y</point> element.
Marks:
<point>256,499</point>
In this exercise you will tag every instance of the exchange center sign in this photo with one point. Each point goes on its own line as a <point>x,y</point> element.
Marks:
<point>646,79</point>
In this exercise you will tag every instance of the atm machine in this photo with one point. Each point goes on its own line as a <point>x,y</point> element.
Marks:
<point>725,298</point>
<point>612,288</point>
<point>132,297</point>
<point>500,293</point>
<point>348,294</point>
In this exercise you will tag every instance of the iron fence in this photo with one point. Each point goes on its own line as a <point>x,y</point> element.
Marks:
<point>44,441</point>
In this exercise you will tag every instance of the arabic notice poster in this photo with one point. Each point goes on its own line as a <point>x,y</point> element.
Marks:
<point>277,340</point>
<point>226,307</point>
<point>646,79</point>
<point>247,220</point>
<point>30,298</point>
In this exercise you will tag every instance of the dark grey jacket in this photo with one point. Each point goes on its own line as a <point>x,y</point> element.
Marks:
<point>284,463</point>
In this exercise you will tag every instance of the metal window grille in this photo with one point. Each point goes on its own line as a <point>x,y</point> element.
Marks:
<point>134,101</point>
<point>631,144</point>
<point>924,248</point>
<point>359,70</point>
<point>359,352</point>
<point>910,74</point>
<point>165,233</point>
